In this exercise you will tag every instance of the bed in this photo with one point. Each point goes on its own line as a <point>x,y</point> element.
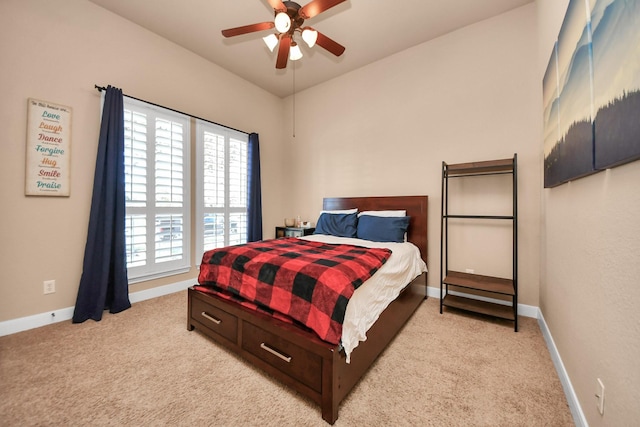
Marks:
<point>296,356</point>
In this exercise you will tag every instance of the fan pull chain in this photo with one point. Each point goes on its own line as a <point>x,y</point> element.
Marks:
<point>294,99</point>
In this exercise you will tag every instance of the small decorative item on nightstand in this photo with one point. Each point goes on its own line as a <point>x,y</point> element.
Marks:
<point>294,231</point>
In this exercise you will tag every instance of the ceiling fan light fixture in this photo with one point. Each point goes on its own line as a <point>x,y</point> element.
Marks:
<point>271,41</point>
<point>295,53</point>
<point>287,22</point>
<point>282,22</point>
<point>309,35</point>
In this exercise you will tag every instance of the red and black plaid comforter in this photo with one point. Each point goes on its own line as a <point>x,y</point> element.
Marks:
<point>308,281</point>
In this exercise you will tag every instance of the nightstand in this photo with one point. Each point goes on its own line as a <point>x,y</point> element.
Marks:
<point>293,231</point>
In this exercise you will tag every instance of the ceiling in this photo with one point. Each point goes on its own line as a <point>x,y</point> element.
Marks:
<point>369,31</point>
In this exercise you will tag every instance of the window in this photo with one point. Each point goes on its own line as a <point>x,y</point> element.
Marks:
<point>157,177</point>
<point>221,187</point>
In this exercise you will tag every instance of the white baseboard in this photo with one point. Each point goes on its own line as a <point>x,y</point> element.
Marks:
<point>13,326</point>
<point>572,398</point>
<point>160,291</point>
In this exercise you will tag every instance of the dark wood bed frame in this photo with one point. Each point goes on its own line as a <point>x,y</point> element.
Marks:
<point>297,357</point>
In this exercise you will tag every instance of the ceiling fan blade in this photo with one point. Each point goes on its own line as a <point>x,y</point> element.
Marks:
<point>231,32</point>
<point>283,51</point>
<point>329,44</point>
<point>316,7</point>
<point>277,5</point>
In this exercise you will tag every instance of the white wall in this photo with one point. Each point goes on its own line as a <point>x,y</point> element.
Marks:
<point>589,291</point>
<point>56,51</point>
<point>386,128</point>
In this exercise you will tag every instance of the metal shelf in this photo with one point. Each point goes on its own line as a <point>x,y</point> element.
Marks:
<point>480,307</point>
<point>479,216</point>
<point>482,283</point>
<point>481,168</point>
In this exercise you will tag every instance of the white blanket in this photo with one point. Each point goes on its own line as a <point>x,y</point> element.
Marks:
<point>374,295</point>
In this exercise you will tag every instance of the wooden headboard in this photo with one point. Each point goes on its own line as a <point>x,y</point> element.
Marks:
<point>416,207</point>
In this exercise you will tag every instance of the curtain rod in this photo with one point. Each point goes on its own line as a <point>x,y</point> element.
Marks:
<point>101,88</point>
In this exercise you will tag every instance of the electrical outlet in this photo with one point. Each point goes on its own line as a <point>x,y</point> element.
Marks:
<point>49,286</point>
<point>600,396</point>
<point>469,270</point>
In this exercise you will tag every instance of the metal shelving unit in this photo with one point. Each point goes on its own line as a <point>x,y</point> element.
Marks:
<point>467,281</point>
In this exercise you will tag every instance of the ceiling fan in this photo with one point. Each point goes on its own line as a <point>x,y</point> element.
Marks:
<point>289,17</point>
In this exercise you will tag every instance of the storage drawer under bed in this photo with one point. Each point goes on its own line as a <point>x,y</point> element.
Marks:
<point>283,355</point>
<point>215,319</point>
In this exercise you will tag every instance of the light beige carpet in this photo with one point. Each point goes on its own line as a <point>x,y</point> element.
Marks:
<point>142,367</point>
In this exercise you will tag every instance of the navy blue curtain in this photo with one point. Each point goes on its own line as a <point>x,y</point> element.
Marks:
<point>254,205</point>
<point>104,284</point>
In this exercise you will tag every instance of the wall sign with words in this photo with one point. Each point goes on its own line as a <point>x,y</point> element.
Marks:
<point>48,149</point>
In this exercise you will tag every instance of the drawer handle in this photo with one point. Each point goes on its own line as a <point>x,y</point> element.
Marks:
<point>213,319</point>
<point>275,353</point>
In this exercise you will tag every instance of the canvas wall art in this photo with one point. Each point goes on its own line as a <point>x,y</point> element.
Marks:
<point>615,26</point>
<point>551,104</point>
<point>569,147</point>
<point>591,91</point>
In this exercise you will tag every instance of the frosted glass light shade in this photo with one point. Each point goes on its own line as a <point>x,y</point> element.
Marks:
<point>295,53</point>
<point>271,41</point>
<point>282,22</point>
<point>309,36</point>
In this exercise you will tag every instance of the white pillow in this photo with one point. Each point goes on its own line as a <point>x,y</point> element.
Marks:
<point>384,213</point>
<point>340,211</point>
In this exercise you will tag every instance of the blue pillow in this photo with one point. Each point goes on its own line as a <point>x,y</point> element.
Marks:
<point>341,225</point>
<point>382,228</point>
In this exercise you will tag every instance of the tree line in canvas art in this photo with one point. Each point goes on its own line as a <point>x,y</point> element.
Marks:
<point>616,131</point>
